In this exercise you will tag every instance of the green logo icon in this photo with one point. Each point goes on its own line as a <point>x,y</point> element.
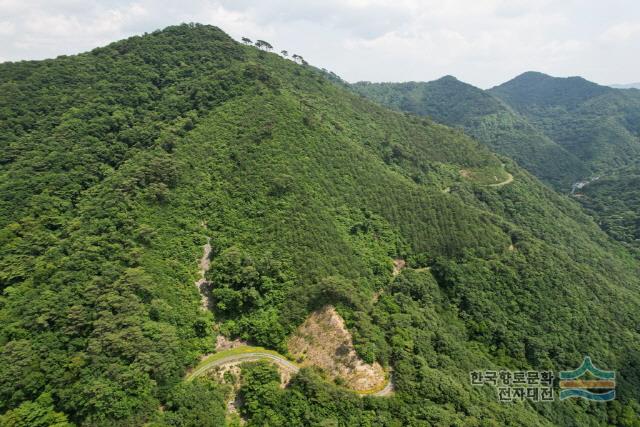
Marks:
<point>596,384</point>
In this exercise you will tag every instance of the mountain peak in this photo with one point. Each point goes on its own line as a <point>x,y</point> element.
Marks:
<point>537,88</point>
<point>533,75</point>
<point>448,77</point>
<point>453,83</point>
<point>194,38</point>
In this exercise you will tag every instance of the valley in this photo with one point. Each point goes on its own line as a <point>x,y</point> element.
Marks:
<point>568,132</point>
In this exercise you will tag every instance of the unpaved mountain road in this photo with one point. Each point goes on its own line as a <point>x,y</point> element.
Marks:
<point>245,357</point>
<point>278,360</point>
<point>202,283</point>
<point>509,180</point>
<point>387,390</point>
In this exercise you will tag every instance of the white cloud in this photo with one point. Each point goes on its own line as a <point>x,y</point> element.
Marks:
<point>482,41</point>
<point>7,28</point>
<point>621,32</point>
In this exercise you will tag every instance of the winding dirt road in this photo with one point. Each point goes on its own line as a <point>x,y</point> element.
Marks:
<point>278,360</point>
<point>509,180</point>
<point>387,390</point>
<point>246,357</point>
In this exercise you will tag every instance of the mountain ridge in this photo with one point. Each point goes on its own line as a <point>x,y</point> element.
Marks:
<point>487,118</point>
<point>597,127</point>
<point>626,86</point>
<point>596,123</point>
<point>113,167</point>
<point>533,87</point>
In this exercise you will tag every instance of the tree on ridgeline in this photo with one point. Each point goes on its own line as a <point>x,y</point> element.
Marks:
<point>284,53</point>
<point>247,41</point>
<point>261,44</point>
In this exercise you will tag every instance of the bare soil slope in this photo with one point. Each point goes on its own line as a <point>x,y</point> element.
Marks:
<point>324,341</point>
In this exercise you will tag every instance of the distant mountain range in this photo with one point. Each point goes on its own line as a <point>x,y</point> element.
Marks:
<point>563,130</point>
<point>598,124</point>
<point>626,86</point>
<point>486,117</point>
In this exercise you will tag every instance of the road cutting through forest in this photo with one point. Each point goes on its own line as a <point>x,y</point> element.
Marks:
<point>250,354</point>
<point>509,180</point>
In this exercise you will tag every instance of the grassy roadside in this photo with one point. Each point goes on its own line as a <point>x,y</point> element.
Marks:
<point>377,389</point>
<point>230,353</point>
<point>212,359</point>
<point>490,176</point>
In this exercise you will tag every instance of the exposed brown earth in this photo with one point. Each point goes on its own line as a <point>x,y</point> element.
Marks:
<point>202,284</point>
<point>324,341</point>
<point>224,343</point>
<point>398,265</point>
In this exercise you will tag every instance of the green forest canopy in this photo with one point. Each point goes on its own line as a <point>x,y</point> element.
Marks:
<point>117,164</point>
<point>565,131</point>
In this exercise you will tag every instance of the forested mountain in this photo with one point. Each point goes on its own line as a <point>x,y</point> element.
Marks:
<point>614,200</point>
<point>626,86</point>
<point>601,126</point>
<point>565,131</point>
<point>118,165</point>
<point>598,124</point>
<point>486,118</point>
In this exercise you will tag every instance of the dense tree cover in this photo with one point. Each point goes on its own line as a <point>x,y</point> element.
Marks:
<point>89,313</point>
<point>535,88</point>
<point>598,124</point>
<point>614,200</point>
<point>490,121</point>
<point>196,403</point>
<point>562,130</point>
<point>35,414</point>
<point>431,363</point>
<point>118,164</point>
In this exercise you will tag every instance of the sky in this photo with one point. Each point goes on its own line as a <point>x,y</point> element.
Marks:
<point>482,42</point>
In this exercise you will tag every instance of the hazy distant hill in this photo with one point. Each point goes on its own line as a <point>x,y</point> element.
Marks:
<point>601,126</point>
<point>563,130</point>
<point>485,117</point>
<point>119,164</point>
<point>598,124</point>
<point>627,86</point>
